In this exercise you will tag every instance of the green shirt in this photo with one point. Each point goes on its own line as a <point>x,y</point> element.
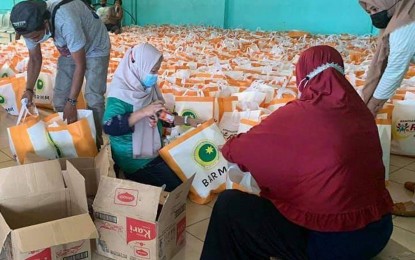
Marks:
<point>122,146</point>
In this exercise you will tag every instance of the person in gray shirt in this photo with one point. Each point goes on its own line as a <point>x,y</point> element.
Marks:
<point>84,46</point>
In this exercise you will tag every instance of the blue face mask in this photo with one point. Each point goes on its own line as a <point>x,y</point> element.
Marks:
<point>150,80</point>
<point>45,37</point>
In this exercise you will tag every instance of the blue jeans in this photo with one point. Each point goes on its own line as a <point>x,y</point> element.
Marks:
<point>156,173</point>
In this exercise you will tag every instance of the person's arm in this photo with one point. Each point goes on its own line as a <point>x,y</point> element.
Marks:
<point>115,120</point>
<point>70,28</point>
<point>118,125</point>
<point>401,51</point>
<point>70,111</point>
<point>193,122</point>
<point>33,70</point>
<point>148,111</point>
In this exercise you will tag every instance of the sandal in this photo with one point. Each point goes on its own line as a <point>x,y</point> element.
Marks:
<point>410,186</point>
<point>405,209</point>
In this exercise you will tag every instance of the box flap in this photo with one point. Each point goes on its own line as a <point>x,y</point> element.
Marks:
<point>91,180</point>
<point>128,198</point>
<point>77,190</point>
<point>58,232</point>
<point>33,158</point>
<point>4,231</point>
<point>83,162</point>
<point>32,210</point>
<point>176,202</point>
<point>104,162</point>
<point>30,179</point>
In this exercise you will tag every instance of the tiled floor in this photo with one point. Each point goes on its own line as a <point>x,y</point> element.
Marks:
<point>402,169</point>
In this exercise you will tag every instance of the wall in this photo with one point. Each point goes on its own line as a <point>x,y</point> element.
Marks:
<point>181,12</point>
<point>317,16</point>
<point>6,4</point>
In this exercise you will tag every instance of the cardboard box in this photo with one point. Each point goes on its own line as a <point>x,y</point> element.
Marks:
<point>44,213</point>
<point>137,221</point>
<point>91,168</point>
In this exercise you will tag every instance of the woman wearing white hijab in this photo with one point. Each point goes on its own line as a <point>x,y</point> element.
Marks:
<point>395,51</point>
<point>130,118</point>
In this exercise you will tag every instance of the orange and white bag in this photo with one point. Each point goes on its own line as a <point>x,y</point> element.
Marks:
<point>6,71</point>
<point>284,95</point>
<point>196,152</point>
<point>236,179</point>
<point>76,139</point>
<point>384,124</point>
<point>403,128</point>
<point>44,89</point>
<point>11,91</point>
<point>245,125</point>
<point>194,107</point>
<point>385,129</point>
<point>229,124</point>
<point>30,136</point>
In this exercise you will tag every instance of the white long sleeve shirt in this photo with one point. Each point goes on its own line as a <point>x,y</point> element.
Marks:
<point>401,54</point>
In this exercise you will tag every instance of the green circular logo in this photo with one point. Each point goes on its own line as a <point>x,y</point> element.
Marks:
<point>2,100</point>
<point>4,75</point>
<point>189,113</point>
<point>40,84</point>
<point>206,154</point>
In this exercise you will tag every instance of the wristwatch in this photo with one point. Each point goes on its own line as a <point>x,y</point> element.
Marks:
<point>72,101</point>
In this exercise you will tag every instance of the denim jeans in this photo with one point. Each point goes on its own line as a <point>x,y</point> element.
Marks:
<point>156,173</point>
<point>95,87</point>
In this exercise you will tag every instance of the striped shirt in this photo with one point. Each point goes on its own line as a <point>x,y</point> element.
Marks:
<point>401,54</point>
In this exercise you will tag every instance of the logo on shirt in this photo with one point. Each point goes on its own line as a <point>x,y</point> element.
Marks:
<point>2,100</point>
<point>206,154</point>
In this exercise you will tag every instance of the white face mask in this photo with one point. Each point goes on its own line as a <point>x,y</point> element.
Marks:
<point>45,37</point>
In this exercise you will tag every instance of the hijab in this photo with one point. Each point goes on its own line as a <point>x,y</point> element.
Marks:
<point>320,159</point>
<point>402,12</point>
<point>127,86</point>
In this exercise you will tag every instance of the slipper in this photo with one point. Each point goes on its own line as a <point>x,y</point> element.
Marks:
<point>405,209</point>
<point>410,186</point>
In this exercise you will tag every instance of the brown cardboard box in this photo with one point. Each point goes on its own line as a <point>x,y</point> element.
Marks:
<point>44,213</point>
<point>137,221</point>
<point>92,168</point>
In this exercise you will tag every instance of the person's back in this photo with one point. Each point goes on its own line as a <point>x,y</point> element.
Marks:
<point>320,172</point>
<point>73,18</point>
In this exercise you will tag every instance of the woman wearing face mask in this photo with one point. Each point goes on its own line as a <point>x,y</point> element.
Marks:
<point>111,16</point>
<point>133,105</point>
<point>395,51</point>
<point>322,198</point>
